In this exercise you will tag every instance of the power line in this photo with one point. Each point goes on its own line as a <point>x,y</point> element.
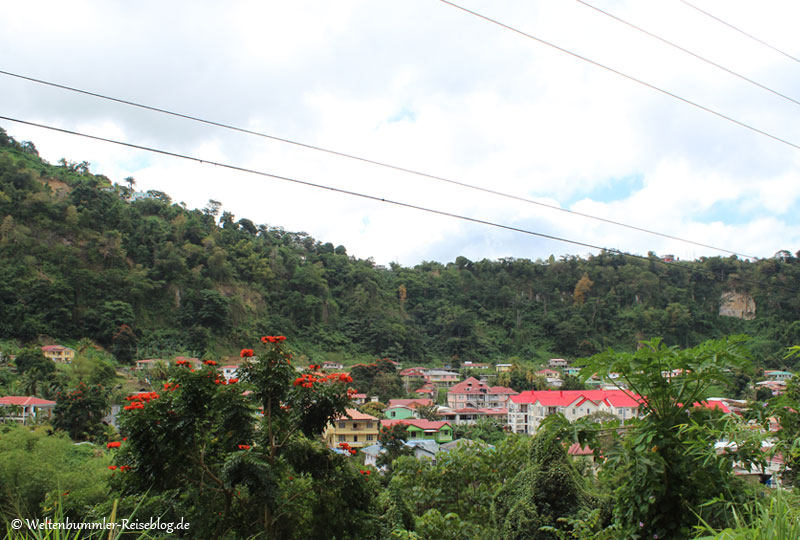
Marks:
<point>729,25</point>
<point>621,74</point>
<point>371,162</point>
<point>387,201</point>
<point>706,60</point>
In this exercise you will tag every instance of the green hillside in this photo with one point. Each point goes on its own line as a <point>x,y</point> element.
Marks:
<point>81,256</point>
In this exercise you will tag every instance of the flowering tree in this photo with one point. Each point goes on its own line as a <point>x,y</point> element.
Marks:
<point>239,457</point>
<point>80,411</point>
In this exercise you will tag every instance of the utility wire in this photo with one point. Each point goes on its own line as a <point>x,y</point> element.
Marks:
<point>621,74</point>
<point>729,25</point>
<point>369,161</point>
<point>389,201</point>
<point>706,60</point>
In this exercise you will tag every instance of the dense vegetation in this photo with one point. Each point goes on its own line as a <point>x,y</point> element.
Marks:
<point>143,276</point>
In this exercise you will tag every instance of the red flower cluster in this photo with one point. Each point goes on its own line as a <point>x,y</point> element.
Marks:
<point>112,467</point>
<point>210,362</point>
<point>115,444</point>
<point>346,447</point>
<point>273,339</point>
<point>244,447</point>
<point>246,353</point>
<point>351,392</point>
<point>170,387</point>
<point>307,380</point>
<point>233,381</point>
<point>362,471</point>
<point>314,367</point>
<point>182,363</point>
<point>125,468</point>
<point>138,400</point>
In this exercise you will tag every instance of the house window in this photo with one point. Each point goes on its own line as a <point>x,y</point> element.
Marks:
<point>355,426</point>
<point>342,425</point>
<point>369,437</point>
<point>341,438</point>
<point>355,438</point>
<point>369,425</point>
<point>391,414</point>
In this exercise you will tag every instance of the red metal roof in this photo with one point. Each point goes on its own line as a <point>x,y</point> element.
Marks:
<point>411,403</point>
<point>25,401</point>
<point>563,398</point>
<point>416,422</point>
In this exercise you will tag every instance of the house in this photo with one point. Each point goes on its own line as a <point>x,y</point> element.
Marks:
<point>141,365</point>
<point>361,399</point>
<point>25,409</point>
<point>399,412</point>
<point>470,415</point>
<point>411,403</point>
<point>58,354</point>
<point>528,409</point>
<point>420,448</point>
<point>477,394</point>
<point>426,389</point>
<point>437,430</point>
<point>571,371</point>
<point>332,365</point>
<point>230,372</point>
<point>501,368</point>
<point>557,363</point>
<point>441,377</point>
<point>777,375</point>
<point>553,377</point>
<point>354,428</point>
<point>776,387</point>
<point>475,365</point>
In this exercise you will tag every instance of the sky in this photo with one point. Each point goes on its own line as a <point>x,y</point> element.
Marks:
<point>425,86</point>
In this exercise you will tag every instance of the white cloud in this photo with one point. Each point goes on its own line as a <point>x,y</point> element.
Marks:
<point>427,87</point>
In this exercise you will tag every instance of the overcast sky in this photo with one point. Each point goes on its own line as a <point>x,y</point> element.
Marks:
<point>425,86</point>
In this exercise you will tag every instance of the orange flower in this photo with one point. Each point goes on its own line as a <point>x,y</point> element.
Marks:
<point>115,444</point>
<point>246,353</point>
<point>244,447</point>
<point>112,467</point>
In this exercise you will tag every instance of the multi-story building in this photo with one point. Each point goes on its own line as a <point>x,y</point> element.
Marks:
<point>59,354</point>
<point>354,428</point>
<point>476,394</point>
<point>527,410</point>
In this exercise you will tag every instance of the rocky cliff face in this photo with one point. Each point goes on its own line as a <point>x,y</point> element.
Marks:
<point>737,304</point>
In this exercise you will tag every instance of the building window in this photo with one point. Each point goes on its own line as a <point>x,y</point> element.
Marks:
<point>342,425</point>
<point>369,437</point>
<point>355,426</point>
<point>355,438</point>
<point>341,438</point>
<point>369,425</point>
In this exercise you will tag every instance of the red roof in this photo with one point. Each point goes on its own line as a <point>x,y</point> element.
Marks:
<point>712,405</point>
<point>435,425</point>
<point>26,400</point>
<point>469,386</point>
<point>411,403</point>
<point>577,450</point>
<point>563,398</point>
<point>49,348</point>
<point>355,414</point>
<point>502,390</point>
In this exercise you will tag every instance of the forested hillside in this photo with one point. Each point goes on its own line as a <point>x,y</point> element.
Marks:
<point>81,256</point>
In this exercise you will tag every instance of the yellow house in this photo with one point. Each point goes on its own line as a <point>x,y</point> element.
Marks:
<point>354,428</point>
<point>58,354</point>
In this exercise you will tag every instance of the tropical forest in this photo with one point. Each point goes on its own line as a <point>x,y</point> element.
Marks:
<point>168,372</point>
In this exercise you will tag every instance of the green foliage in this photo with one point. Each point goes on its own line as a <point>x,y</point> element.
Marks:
<point>80,411</point>
<point>235,465</point>
<point>39,467</point>
<point>665,471</point>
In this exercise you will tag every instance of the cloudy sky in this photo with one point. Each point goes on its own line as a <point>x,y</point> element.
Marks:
<point>425,86</point>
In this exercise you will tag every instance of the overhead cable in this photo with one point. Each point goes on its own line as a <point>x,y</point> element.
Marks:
<point>371,162</point>
<point>695,55</point>
<point>729,25</point>
<point>387,201</point>
<point>621,74</point>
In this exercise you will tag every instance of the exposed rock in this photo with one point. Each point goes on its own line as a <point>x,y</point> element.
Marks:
<point>739,305</point>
